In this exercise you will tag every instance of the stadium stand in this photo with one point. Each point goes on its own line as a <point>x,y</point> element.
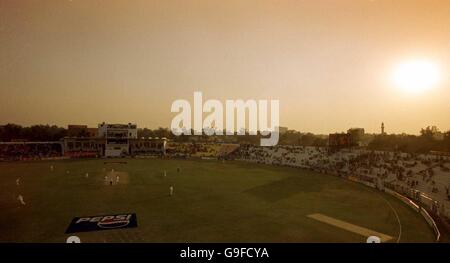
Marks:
<point>13,151</point>
<point>424,177</point>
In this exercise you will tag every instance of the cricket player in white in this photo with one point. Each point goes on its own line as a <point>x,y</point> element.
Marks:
<point>117,179</point>
<point>18,181</point>
<point>20,198</point>
<point>171,190</point>
<point>165,173</point>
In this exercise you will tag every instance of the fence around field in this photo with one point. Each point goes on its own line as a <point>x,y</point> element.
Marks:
<point>419,209</point>
<point>422,198</point>
<point>416,207</point>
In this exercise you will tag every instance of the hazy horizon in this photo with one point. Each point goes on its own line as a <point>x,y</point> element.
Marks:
<point>329,63</point>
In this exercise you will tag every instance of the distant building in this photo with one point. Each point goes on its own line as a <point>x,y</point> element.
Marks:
<point>83,147</point>
<point>356,135</point>
<point>75,130</point>
<point>353,137</point>
<point>148,146</point>
<point>339,140</point>
<point>81,131</point>
<point>110,140</point>
<point>117,138</point>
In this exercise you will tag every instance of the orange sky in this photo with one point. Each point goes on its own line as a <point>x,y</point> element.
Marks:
<point>328,62</point>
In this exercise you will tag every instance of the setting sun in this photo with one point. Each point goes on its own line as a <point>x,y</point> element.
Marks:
<point>416,76</point>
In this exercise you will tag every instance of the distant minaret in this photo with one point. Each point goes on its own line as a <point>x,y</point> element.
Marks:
<point>382,128</point>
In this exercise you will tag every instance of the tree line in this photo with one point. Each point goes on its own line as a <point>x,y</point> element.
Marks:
<point>430,139</point>
<point>425,142</point>
<point>14,132</point>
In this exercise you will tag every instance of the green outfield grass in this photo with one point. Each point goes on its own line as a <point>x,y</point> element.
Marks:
<point>212,202</point>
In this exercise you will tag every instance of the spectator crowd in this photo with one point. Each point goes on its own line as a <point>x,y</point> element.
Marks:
<point>423,177</point>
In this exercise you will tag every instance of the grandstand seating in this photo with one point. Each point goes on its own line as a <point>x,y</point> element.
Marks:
<point>423,177</point>
<point>29,150</point>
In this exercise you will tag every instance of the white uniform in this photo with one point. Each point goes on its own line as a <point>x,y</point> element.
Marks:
<point>165,173</point>
<point>20,198</point>
<point>87,175</point>
<point>171,190</point>
<point>18,181</point>
<point>117,179</point>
